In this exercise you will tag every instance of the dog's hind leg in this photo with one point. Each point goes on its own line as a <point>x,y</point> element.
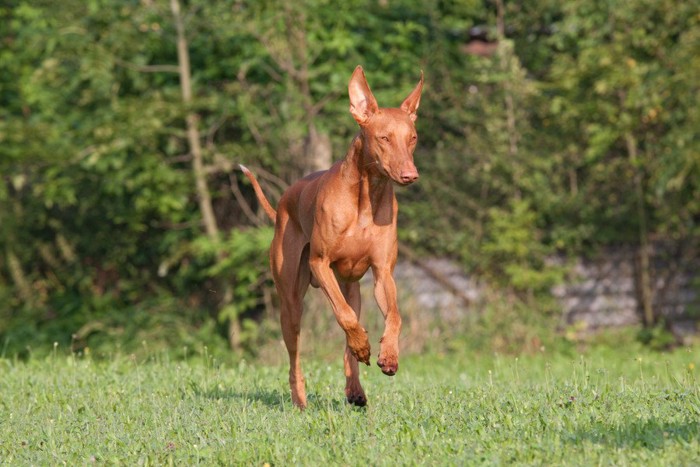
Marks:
<point>290,269</point>
<point>353,389</point>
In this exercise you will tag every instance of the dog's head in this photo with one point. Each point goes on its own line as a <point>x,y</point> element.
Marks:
<point>389,134</point>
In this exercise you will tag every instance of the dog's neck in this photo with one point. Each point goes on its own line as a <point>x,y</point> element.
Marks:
<point>373,187</point>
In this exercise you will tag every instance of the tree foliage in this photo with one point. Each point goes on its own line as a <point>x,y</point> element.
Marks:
<point>578,129</point>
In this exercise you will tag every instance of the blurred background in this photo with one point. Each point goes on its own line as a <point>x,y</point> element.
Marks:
<point>559,153</point>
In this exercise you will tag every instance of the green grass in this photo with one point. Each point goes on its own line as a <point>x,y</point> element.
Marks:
<point>625,407</point>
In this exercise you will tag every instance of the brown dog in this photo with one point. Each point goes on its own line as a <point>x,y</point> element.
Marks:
<point>332,226</point>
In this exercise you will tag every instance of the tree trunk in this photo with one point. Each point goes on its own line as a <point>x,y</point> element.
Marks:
<point>505,57</point>
<point>14,265</point>
<point>200,176</point>
<point>192,120</point>
<point>317,150</point>
<point>645,291</point>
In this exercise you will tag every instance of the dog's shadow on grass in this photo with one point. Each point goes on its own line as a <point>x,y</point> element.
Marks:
<point>650,434</point>
<point>274,399</point>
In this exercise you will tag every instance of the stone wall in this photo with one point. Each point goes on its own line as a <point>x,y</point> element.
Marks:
<point>604,291</point>
<point>600,292</point>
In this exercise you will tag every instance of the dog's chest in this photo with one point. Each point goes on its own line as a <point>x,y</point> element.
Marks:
<point>354,253</point>
<point>351,269</point>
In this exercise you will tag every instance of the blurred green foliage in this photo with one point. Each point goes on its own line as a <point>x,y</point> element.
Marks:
<point>522,151</point>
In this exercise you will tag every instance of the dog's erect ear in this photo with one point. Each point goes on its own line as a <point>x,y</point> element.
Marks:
<point>410,105</point>
<point>362,103</point>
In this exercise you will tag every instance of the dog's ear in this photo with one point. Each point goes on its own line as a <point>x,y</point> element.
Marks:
<point>410,105</point>
<point>362,103</point>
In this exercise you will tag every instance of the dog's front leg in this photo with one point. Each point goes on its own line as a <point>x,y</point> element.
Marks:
<point>347,319</point>
<point>385,294</point>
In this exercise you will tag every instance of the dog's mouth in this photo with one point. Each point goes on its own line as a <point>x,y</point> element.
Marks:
<point>406,176</point>
<point>401,178</point>
<point>402,183</point>
<point>396,178</point>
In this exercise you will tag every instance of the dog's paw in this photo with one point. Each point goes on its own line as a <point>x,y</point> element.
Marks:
<point>362,354</point>
<point>359,345</point>
<point>356,397</point>
<point>388,365</point>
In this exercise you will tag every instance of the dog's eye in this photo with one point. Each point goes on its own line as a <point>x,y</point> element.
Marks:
<point>414,138</point>
<point>384,138</point>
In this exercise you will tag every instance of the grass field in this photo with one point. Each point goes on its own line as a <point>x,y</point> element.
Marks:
<point>624,407</point>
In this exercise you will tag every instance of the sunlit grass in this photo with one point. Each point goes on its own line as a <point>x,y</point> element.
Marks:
<point>604,407</point>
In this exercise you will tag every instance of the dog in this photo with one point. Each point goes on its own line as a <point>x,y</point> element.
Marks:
<point>334,225</point>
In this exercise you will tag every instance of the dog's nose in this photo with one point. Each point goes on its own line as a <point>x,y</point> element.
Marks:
<point>409,176</point>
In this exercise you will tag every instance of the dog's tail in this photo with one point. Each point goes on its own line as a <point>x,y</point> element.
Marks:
<point>271,213</point>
